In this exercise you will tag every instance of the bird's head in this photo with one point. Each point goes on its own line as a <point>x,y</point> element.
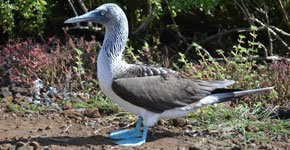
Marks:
<point>104,14</point>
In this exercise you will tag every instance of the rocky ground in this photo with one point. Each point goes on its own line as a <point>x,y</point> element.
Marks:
<point>79,129</point>
<point>69,128</point>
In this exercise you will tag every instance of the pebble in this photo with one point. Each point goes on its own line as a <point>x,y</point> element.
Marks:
<point>35,145</point>
<point>20,144</point>
<point>47,127</point>
<point>6,147</point>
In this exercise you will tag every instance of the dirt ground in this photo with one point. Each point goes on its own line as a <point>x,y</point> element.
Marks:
<point>79,129</point>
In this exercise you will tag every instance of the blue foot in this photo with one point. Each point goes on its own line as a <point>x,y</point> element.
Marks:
<point>131,142</point>
<point>128,134</point>
<point>134,141</point>
<point>125,134</point>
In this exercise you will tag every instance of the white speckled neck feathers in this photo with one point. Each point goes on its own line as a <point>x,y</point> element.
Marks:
<point>110,56</point>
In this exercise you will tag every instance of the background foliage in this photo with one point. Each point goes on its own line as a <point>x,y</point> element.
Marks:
<point>23,17</point>
<point>211,39</point>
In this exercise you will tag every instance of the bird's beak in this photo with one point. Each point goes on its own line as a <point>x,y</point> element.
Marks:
<point>87,17</point>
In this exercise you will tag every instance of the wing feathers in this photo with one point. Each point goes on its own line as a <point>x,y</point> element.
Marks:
<point>157,89</point>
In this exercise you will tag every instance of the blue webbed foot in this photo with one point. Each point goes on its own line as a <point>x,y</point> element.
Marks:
<point>128,134</point>
<point>134,141</point>
<point>131,142</point>
<point>125,134</point>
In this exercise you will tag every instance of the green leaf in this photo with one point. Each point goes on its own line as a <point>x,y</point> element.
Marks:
<point>254,28</point>
<point>78,51</point>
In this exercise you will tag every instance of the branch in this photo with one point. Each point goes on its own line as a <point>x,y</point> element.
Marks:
<point>280,31</point>
<point>272,32</point>
<point>268,58</point>
<point>74,10</point>
<point>146,22</point>
<point>238,30</point>
<point>84,8</point>
<point>189,46</point>
<point>285,14</point>
<point>78,26</point>
<point>270,50</point>
<point>245,11</point>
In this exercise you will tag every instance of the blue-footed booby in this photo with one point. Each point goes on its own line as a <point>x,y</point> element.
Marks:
<point>147,91</point>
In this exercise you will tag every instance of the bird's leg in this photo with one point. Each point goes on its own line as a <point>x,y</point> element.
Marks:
<point>134,141</point>
<point>128,134</point>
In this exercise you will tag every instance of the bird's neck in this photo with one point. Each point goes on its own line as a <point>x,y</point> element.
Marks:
<point>115,40</point>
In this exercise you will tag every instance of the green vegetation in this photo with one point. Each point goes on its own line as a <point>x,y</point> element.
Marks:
<point>254,123</point>
<point>23,18</point>
<point>99,101</point>
<point>11,107</point>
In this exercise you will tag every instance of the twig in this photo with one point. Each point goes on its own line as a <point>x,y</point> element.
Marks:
<point>146,21</point>
<point>189,46</point>
<point>280,31</point>
<point>270,50</point>
<point>74,10</point>
<point>84,8</point>
<point>238,30</point>
<point>245,11</point>
<point>273,33</point>
<point>269,58</point>
<point>175,25</point>
<point>285,14</point>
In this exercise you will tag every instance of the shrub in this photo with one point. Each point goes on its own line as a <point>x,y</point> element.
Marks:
<point>52,62</point>
<point>23,18</point>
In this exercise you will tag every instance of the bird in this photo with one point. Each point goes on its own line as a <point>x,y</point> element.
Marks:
<point>149,92</point>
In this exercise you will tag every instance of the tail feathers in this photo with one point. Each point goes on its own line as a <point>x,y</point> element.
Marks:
<point>223,97</point>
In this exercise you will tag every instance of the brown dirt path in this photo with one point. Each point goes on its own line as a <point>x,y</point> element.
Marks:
<point>72,130</point>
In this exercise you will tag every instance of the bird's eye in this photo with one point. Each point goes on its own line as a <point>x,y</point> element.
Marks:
<point>103,12</point>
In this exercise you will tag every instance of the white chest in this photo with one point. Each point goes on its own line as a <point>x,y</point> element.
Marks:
<point>105,77</point>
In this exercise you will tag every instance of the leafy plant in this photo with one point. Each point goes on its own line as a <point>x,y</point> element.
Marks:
<point>79,68</point>
<point>240,65</point>
<point>251,122</point>
<point>22,18</point>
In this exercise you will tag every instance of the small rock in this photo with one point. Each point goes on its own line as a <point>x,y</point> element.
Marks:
<point>92,113</point>
<point>5,92</point>
<point>181,148</point>
<point>251,128</point>
<point>193,148</point>
<point>251,117</point>
<point>283,113</point>
<point>6,147</point>
<point>253,146</point>
<point>52,147</point>
<point>19,96</point>
<point>27,147</point>
<point>236,148</point>
<point>67,106</point>
<point>47,127</point>
<point>7,99</point>
<point>35,145</point>
<point>20,144</point>
<point>21,90</point>
<point>179,122</point>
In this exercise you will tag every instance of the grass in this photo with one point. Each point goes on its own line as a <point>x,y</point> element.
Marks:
<point>11,107</point>
<point>251,122</point>
<point>99,101</point>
